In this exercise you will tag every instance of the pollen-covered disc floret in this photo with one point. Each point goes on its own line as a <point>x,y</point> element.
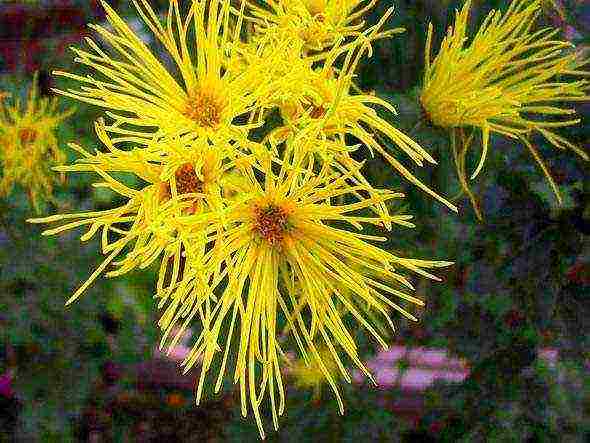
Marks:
<point>187,181</point>
<point>27,136</point>
<point>204,108</point>
<point>271,222</point>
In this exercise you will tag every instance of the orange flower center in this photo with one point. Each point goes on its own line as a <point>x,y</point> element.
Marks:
<point>271,223</point>
<point>187,181</point>
<point>27,135</point>
<point>204,108</point>
<point>317,111</point>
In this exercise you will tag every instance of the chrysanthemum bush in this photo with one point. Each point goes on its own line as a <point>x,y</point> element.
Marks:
<point>246,137</point>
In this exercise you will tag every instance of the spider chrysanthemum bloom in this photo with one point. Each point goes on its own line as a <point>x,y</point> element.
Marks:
<point>324,104</point>
<point>29,145</point>
<point>509,79</point>
<point>283,258</point>
<point>319,24</point>
<point>143,96</point>
<point>175,178</point>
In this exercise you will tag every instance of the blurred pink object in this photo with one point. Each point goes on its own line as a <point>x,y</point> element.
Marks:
<point>6,385</point>
<point>424,366</point>
<point>549,356</point>
<point>392,354</point>
<point>387,376</point>
<point>419,357</point>
<point>417,379</point>
<point>180,351</point>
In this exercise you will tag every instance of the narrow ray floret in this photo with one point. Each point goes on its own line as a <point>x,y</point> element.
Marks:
<point>142,95</point>
<point>284,259</point>
<point>510,78</point>
<point>29,145</point>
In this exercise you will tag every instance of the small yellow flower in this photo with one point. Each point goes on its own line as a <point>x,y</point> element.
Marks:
<point>280,260</point>
<point>509,79</point>
<point>309,375</point>
<point>29,147</point>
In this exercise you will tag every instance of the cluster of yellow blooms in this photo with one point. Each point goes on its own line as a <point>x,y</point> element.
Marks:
<point>252,198</point>
<point>28,145</point>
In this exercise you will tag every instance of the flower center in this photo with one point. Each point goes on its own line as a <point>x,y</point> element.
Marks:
<point>317,111</point>
<point>204,108</point>
<point>27,135</point>
<point>187,181</point>
<point>271,223</point>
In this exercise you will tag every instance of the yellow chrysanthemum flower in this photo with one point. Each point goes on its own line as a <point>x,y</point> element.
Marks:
<point>280,259</point>
<point>176,177</point>
<point>509,79</point>
<point>322,104</point>
<point>28,146</point>
<point>319,24</point>
<point>143,97</point>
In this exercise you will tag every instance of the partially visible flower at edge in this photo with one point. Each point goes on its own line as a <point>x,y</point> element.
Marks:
<point>509,79</point>
<point>29,146</point>
<point>307,374</point>
<point>319,24</point>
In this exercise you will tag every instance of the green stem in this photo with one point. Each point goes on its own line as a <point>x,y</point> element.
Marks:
<point>459,156</point>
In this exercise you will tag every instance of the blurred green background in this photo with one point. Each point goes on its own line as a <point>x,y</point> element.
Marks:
<point>519,289</point>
